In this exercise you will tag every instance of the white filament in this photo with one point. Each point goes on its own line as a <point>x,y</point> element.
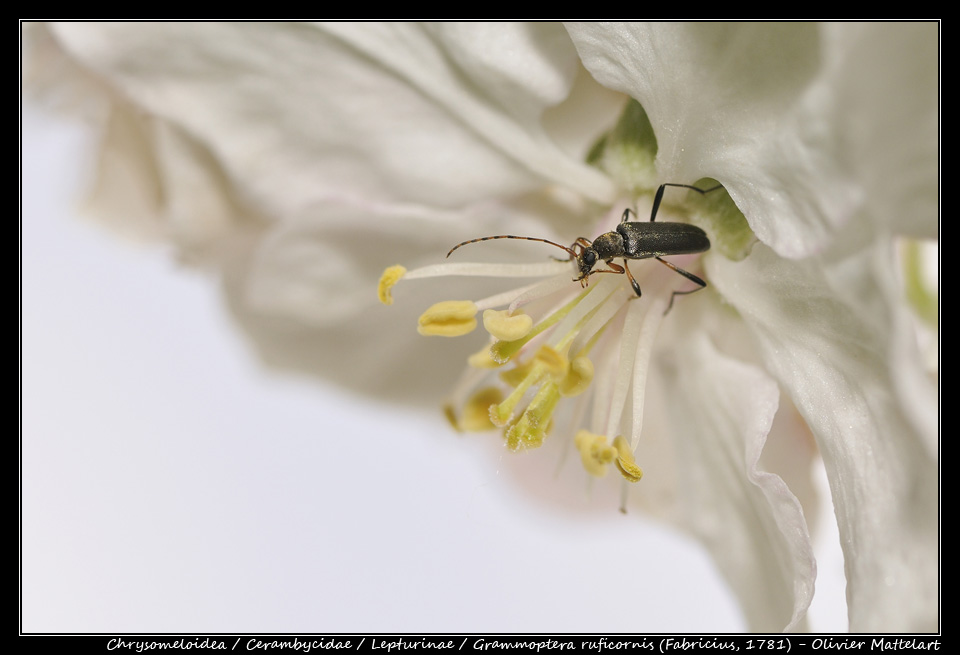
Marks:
<point>488,270</point>
<point>641,366</point>
<point>597,295</point>
<point>628,349</point>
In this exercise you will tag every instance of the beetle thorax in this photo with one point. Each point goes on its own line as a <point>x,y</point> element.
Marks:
<point>608,246</point>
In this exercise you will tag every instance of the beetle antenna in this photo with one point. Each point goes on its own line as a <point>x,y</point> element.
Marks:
<point>572,252</point>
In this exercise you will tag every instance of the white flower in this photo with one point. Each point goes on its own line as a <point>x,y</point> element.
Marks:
<point>300,160</point>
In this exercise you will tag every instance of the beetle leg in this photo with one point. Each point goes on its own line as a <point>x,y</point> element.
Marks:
<point>626,214</point>
<point>633,281</point>
<point>657,198</point>
<point>619,270</point>
<point>616,269</point>
<point>687,274</point>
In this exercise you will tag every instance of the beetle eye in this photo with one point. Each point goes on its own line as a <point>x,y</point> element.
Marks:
<point>589,257</point>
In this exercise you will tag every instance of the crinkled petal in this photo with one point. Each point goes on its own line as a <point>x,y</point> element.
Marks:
<point>306,292</point>
<point>829,331</point>
<point>799,121</point>
<point>321,270</point>
<point>295,113</point>
<point>883,86</point>
<point>295,158</point>
<point>718,414</point>
<point>155,180</point>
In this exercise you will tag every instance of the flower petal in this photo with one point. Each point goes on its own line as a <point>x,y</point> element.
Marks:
<point>292,157</point>
<point>306,294</point>
<point>829,332</point>
<point>746,516</point>
<point>883,113</point>
<point>832,113</point>
<point>294,113</point>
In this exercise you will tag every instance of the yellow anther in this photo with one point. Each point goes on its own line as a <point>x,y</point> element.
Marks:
<point>503,351</point>
<point>452,318</point>
<point>554,363</point>
<point>532,427</point>
<point>476,412</point>
<point>505,327</point>
<point>450,414</point>
<point>516,374</point>
<point>625,462</point>
<point>482,359</point>
<point>578,377</point>
<point>596,453</point>
<point>547,363</point>
<point>390,277</point>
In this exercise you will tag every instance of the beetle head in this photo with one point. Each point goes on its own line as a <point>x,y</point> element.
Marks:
<point>586,260</point>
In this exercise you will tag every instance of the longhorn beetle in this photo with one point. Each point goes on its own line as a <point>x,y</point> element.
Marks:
<point>633,240</point>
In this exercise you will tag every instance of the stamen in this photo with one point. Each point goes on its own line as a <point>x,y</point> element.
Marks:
<point>516,374</point>
<point>641,366</point>
<point>607,360</point>
<point>547,363</point>
<point>532,427</point>
<point>505,327</point>
<point>547,346</point>
<point>541,289</point>
<point>500,299</point>
<point>596,453</point>
<point>502,351</point>
<point>476,411</point>
<point>554,363</point>
<point>394,274</point>
<point>451,318</point>
<point>482,359</point>
<point>469,269</point>
<point>592,330</point>
<point>628,346</point>
<point>579,315</point>
<point>465,388</point>
<point>450,413</point>
<point>626,464</point>
<point>389,278</point>
<point>578,378</point>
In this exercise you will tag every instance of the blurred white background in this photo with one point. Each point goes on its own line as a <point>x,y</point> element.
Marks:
<point>170,484</point>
